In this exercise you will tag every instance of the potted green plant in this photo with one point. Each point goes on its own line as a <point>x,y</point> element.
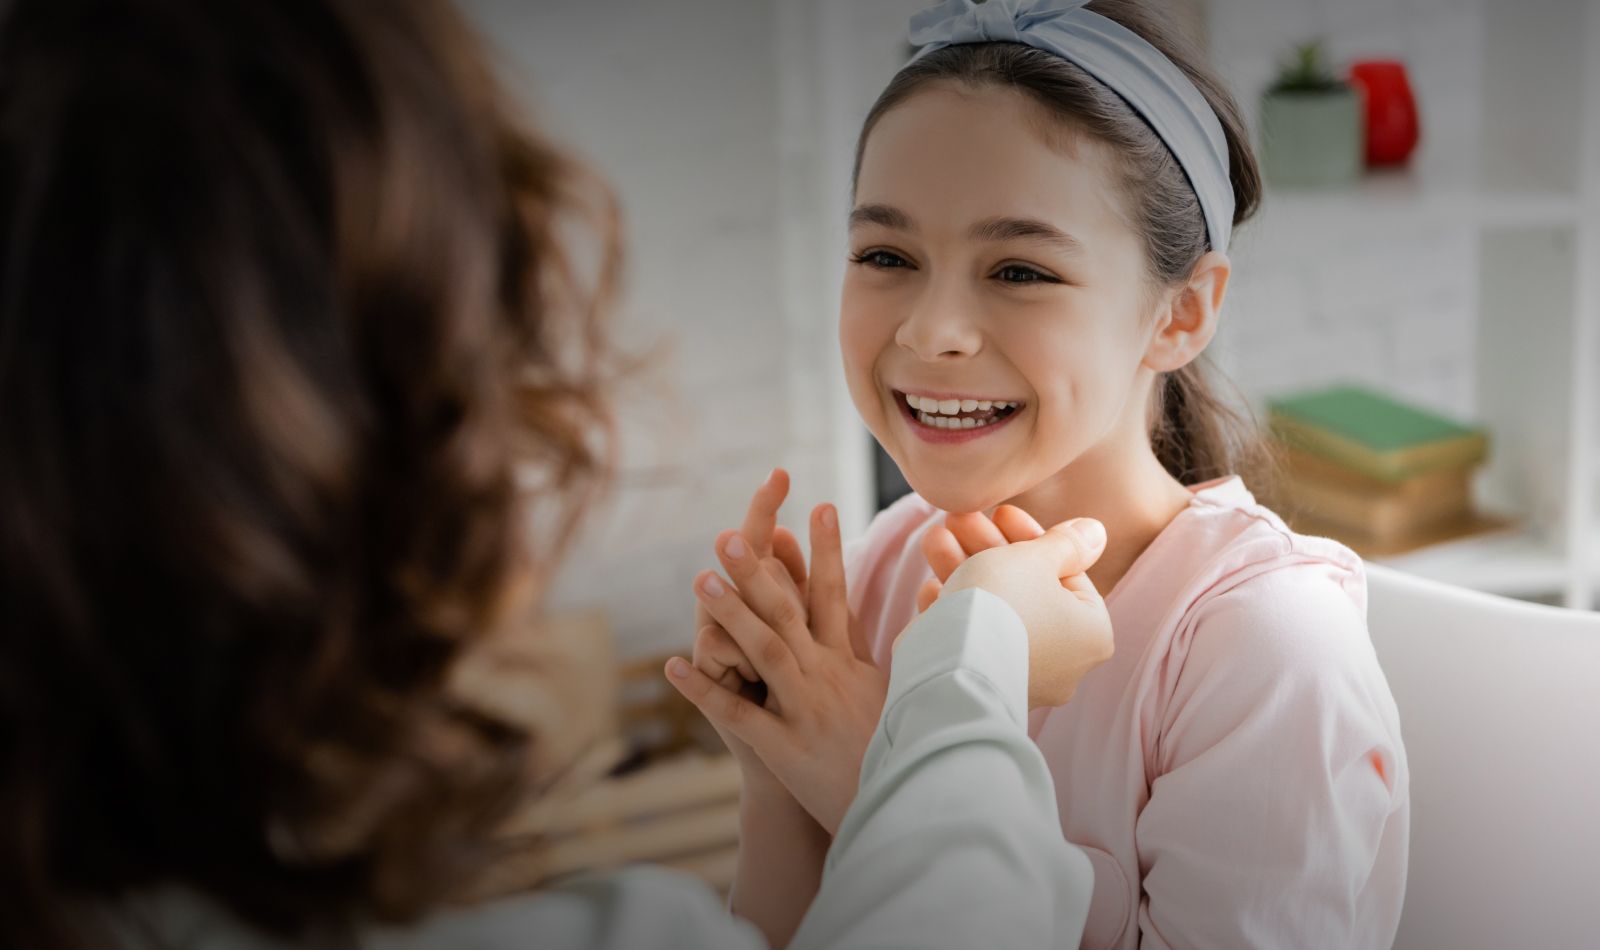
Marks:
<point>1311,123</point>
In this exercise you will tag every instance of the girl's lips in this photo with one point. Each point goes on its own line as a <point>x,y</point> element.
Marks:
<point>937,436</point>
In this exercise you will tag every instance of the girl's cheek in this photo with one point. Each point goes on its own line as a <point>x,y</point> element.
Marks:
<point>864,335</point>
<point>860,363</point>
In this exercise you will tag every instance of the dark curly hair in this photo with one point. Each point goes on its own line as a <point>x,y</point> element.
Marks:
<point>300,396</point>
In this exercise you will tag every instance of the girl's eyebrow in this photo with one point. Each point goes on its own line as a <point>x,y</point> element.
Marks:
<point>991,229</point>
<point>1025,229</point>
<point>881,215</point>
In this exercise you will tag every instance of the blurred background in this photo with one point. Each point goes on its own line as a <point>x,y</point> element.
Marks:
<point>1446,265</point>
<point>1415,314</point>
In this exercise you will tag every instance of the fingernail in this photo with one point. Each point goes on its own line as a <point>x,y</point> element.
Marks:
<point>734,548</point>
<point>677,668</point>
<point>713,586</point>
<point>770,476</point>
<point>1092,532</point>
<point>829,520</point>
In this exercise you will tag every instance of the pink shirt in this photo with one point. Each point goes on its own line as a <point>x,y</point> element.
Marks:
<point>1235,773</point>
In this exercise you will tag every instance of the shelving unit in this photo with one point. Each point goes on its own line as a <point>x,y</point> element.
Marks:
<point>1404,196</point>
<point>1514,564</point>
<point>1528,193</point>
<point>1538,305</point>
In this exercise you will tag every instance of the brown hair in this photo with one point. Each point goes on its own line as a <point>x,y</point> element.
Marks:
<point>284,318</point>
<point>1196,433</point>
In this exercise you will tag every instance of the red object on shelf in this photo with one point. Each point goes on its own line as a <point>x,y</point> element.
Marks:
<point>1393,128</point>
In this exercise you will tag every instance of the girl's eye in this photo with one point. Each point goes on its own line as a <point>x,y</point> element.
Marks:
<point>1018,274</point>
<point>882,260</point>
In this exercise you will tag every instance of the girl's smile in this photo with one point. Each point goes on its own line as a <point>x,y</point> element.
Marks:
<point>953,418</point>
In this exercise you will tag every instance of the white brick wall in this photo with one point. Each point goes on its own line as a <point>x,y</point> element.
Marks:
<point>683,106</point>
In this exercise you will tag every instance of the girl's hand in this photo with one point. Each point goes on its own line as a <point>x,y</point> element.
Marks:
<point>1044,581</point>
<point>715,653</point>
<point>961,536</point>
<point>824,699</point>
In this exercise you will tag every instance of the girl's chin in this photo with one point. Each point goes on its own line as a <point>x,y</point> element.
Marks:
<point>956,499</point>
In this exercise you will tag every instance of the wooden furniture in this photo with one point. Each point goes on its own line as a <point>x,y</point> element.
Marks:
<point>640,775</point>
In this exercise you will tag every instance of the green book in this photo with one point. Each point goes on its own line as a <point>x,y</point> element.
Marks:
<point>1374,435</point>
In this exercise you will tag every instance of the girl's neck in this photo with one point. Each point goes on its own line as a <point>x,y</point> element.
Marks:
<point>1127,491</point>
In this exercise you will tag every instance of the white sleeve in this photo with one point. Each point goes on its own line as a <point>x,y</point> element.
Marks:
<point>954,839</point>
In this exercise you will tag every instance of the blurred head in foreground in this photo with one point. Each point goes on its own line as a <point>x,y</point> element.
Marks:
<point>289,347</point>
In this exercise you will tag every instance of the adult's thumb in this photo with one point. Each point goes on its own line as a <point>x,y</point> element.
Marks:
<point>1073,546</point>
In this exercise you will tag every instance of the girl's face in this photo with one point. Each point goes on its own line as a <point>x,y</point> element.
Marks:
<point>993,275</point>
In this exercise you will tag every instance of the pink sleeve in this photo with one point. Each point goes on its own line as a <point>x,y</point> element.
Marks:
<point>1279,814</point>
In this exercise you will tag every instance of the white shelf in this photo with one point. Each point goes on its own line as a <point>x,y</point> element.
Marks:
<point>1511,564</point>
<point>1407,197</point>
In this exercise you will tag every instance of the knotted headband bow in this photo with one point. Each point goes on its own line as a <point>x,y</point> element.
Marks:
<point>1118,58</point>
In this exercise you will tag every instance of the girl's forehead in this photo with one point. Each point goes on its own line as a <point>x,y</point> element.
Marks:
<point>961,153</point>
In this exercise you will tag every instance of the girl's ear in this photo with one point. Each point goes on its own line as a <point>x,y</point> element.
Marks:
<point>1185,327</point>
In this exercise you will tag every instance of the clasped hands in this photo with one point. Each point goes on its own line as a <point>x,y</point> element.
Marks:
<point>785,675</point>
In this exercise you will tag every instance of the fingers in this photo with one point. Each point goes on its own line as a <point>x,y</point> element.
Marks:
<point>786,548</point>
<point>1072,547</point>
<point>943,551</point>
<point>716,653</point>
<point>766,592</point>
<point>1081,585</point>
<point>928,593</point>
<point>1016,524</point>
<point>775,656</point>
<point>975,532</point>
<point>861,641</point>
<point>724,707</point>
<point>761,520</point>
<point>827,605</point>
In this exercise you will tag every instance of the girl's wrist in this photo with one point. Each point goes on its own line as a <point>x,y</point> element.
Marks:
<point>768,802</point>
<point>763,786</point>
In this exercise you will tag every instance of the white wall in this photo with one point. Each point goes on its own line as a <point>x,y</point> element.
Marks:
<point>690,109</point>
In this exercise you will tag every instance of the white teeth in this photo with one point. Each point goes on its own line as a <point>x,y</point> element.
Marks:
<point>951,422</point>
<point>942,413</point>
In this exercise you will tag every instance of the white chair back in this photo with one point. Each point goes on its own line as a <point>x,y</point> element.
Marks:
<point>1500,711</point>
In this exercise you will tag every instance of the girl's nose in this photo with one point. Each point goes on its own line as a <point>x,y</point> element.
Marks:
<point>940,327</point>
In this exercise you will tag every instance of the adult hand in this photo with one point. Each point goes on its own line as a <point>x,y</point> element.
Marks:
<point>948,546</point>
<point>1045,582</point>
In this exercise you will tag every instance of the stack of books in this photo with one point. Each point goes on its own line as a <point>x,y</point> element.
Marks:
<point>1375,473</point>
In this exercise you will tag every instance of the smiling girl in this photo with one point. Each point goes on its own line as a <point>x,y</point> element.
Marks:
<point>1042,209</point>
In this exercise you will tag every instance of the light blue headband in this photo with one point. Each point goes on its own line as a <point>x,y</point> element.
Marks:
<point>1121,60</point>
